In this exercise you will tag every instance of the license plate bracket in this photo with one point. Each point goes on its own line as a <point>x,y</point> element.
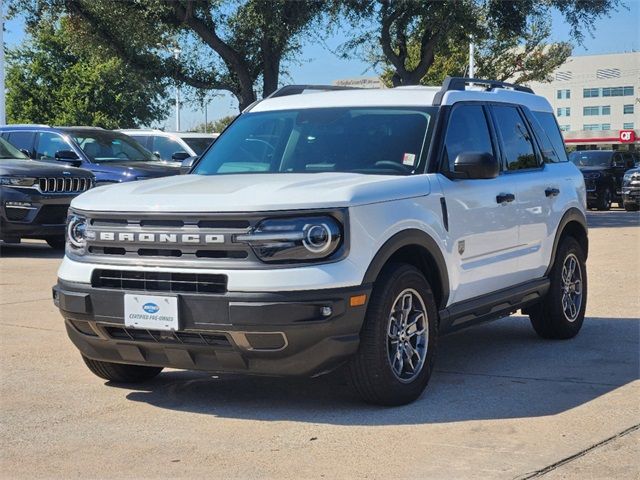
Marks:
<point>153,312</point>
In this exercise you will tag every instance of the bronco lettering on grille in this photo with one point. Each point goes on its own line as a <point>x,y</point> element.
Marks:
<point>160,237</point>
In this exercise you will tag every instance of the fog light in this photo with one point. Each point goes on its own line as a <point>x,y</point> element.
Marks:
<point>326,311</point>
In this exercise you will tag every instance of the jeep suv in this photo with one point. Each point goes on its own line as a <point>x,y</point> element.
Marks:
<point>339,226</point>
<point>603,171</point>
<point>112,156</point>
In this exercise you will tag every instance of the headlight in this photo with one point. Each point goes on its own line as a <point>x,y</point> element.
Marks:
<point>301,239</point>
<point>77,233</point>
<point>627,177</point>
<point>18,181</point>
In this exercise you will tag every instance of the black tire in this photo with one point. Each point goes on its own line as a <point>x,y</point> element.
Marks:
<point>631,207</point>
<point>57,243</point>
<point>604,199</point>
<point>121,373</point>
<point>549,318</point>
<point>370,370</point>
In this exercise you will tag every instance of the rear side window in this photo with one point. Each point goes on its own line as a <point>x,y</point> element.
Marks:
<point>553,135</point>
<point>517,144</point>
<point>467,132</point>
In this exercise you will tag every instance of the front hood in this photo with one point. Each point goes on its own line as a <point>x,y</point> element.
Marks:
<point>34,168</point>
<point>251,192</point>
<point>138,169</point>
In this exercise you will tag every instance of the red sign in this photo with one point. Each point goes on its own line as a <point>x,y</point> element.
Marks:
<point>627,136</point>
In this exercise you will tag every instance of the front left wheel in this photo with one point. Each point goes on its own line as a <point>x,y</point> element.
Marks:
<point>398,339</point>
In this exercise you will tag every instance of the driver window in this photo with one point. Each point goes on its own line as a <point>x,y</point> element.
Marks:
<point>467,132</point>
<point>48,144</point>
<point>165,147</point>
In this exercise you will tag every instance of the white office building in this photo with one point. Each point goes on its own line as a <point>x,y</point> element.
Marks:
<point>596,99</point>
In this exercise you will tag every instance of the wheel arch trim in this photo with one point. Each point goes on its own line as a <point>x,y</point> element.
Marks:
<point>573,215</point>
<point>406,238</point>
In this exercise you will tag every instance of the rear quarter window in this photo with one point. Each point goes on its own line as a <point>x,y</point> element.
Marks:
<point>550,137</point>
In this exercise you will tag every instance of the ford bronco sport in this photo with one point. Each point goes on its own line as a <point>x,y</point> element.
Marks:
<point>339,226</point>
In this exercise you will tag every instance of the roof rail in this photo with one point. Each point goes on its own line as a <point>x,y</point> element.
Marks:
<point>80,127</point>
<point>298,89</point>
<point>459,84</point>
<point>27,125</point>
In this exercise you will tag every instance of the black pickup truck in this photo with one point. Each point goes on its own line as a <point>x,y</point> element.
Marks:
<point>35,196</point>
<point>603,171</point>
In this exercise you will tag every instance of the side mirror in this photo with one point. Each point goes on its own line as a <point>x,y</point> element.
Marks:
<point>68,156</point>
<point>186,164</point>
<point>26,152</point>
<point>179,156</point>
<point>474,165</point>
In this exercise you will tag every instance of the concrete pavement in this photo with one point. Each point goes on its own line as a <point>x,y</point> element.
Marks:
<point>501,404</point>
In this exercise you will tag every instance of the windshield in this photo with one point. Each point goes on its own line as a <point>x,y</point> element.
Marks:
<point>592,158</point>
<point>384,141</point>
<point>198,144</point>
<point>8,151</point>
<point>105,146</point>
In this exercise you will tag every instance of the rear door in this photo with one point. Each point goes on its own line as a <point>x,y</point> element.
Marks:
<point>482,228</point>
<point>22,140</point>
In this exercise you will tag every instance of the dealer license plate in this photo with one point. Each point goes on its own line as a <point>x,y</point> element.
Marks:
<point>155,312</point>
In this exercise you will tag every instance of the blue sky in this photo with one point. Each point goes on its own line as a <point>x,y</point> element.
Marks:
<point>619,32</point>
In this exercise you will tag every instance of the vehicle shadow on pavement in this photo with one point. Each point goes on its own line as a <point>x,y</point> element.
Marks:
<point>612,219</point>
<point>29,250</point>
<point>499,370</point>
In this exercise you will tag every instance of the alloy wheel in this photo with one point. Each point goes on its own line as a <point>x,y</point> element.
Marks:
<point>571,287</point>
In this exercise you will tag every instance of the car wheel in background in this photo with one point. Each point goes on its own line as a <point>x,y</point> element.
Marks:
<point>120,372</point>
<point>631,207</point>
<point>604,199</point>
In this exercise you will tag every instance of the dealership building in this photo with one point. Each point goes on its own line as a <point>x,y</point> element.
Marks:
<point>596,99</point>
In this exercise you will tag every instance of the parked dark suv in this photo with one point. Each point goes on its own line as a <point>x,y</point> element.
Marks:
<point>603,171</point>
<point>35,196</point>
<point>112,156</point>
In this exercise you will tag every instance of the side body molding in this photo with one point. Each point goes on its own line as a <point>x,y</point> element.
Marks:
<point>407,238</point>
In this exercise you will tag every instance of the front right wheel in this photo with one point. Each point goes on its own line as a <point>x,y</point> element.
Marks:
<point>561,313</point>
<point>398,339</point>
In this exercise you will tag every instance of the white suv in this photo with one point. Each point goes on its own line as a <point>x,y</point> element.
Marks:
<point>342,226</point>
<point>172,146</point>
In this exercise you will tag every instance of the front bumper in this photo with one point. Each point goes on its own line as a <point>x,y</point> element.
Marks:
<point>253,333</point>
<point>44,216</point>
<point>631,194</point>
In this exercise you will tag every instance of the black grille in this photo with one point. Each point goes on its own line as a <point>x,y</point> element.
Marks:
<point>64,184</point>
<point>159,336</point>
<point>52,215</point>
<point>160,281</point>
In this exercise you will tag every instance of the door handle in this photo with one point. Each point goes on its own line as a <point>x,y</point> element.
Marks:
<point>552,192</point>
<point>505,198</point>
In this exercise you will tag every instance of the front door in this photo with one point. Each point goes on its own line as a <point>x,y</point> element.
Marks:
<point>483,222</point>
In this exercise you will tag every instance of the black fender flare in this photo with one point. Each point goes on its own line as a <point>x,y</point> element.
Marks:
<point>403,239</point>
<point>572,215</point>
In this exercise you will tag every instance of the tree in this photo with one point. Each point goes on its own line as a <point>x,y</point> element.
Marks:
<point>501,57</point>
<point>216,126</point>
<point>226,45</point>
<point>54,78</point>
<point>410,33</point>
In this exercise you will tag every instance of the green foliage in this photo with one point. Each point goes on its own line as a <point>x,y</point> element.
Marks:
<point>55,78</point>
<point>426,39</point>
<point>216,126</point>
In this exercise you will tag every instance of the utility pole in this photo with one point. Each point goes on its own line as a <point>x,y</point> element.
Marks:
<point>176,54</point>
<point>3,116</point>
<point>206,127</point>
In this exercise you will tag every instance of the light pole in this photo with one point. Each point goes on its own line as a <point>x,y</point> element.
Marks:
<point>3,118</point>
<point>472,63</point>
<point>176,55</point>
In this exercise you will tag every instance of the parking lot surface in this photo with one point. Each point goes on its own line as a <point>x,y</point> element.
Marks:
<point>501,404</point>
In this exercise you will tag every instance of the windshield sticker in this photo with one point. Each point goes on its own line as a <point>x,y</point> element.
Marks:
<point>409,159</point>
